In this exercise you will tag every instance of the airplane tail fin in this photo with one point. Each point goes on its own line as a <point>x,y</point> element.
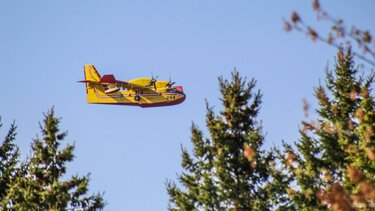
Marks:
<point>92,78</point>
<point>98,88</point>
<point>91,74</point>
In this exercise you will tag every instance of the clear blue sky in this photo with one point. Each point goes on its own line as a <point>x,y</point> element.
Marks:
<point>131,151</point>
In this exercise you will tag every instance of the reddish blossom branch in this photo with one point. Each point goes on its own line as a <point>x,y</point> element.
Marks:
<point>338,35</point>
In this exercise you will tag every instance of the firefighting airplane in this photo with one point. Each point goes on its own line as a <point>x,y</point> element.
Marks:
<point>143,92</point>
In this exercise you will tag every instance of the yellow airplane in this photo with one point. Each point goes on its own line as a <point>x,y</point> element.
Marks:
<point>143,92</point>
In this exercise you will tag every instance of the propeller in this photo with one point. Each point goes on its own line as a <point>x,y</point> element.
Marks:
<point>170,83</point>
<point>153,82</point>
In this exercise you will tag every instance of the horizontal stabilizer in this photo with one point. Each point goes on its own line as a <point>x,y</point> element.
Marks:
<point>87,81</point>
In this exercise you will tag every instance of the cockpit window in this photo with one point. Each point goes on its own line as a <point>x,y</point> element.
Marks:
<point>174,90</point>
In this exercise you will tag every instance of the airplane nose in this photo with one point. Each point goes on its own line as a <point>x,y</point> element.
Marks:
<point>180,89</point>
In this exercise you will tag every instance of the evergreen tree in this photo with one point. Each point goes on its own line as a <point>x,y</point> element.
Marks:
<point>333,165</point>
<point>217,173</point>
<point>39,185</point>
<point>9,154</point>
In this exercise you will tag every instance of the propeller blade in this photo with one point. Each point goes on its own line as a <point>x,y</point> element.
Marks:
<point>153,82</point>
<point>170,83</point>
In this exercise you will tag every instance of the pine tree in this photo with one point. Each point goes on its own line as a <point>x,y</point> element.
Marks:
<point>9,154</point>
<point>217,173</point>
<point>333,165</point>
<point>39,185</point>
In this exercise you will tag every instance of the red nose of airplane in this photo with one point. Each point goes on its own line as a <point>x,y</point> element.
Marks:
<point>180,89</point>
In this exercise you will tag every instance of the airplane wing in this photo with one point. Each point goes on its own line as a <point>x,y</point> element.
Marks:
<point>137,87</point>
<point>111,80</point>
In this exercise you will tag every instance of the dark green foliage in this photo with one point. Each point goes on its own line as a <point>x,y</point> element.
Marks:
<point>228,170</point>
<point>332,165</point>
<point>9,154</point>
<point>337,147</point>
<point>38,184</point>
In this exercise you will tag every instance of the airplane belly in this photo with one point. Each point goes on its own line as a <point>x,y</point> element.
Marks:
<point>163,100</point>
<point>128,98</point>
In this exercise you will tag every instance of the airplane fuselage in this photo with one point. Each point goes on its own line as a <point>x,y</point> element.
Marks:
<point>163,97</point>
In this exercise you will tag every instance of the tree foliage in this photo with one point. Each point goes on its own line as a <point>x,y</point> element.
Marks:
<point>333,163</point>
<point>218,175</point>
<point>9,155</point>
<point>37,183</point>
<point>331,166</point>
